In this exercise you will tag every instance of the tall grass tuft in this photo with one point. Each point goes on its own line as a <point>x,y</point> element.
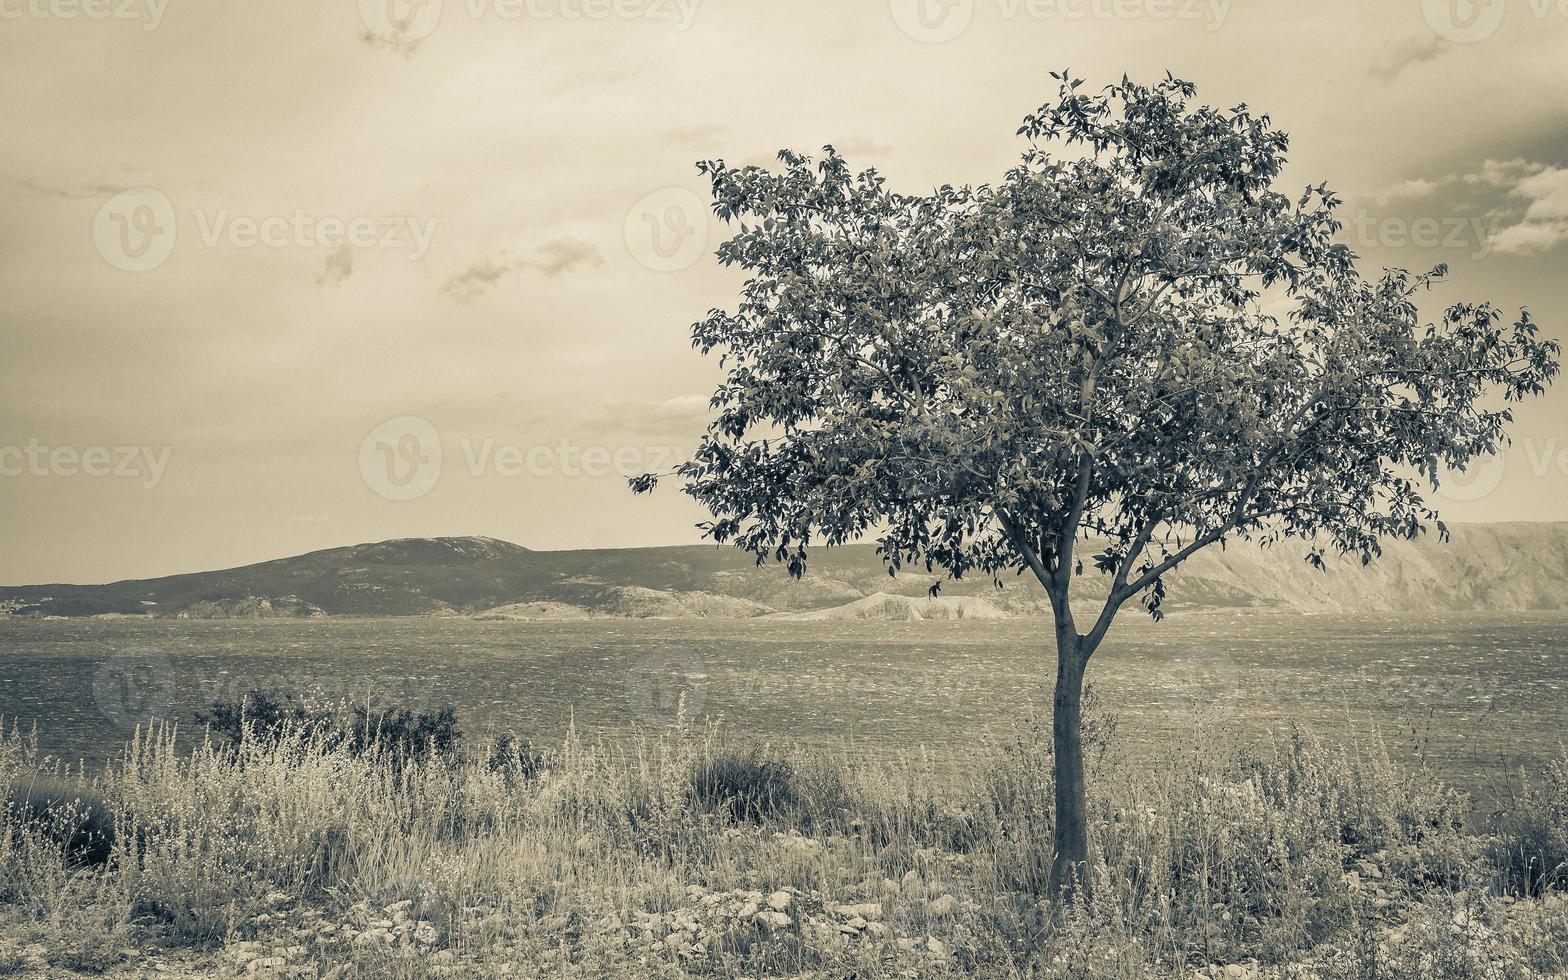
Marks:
<point>691,853</point>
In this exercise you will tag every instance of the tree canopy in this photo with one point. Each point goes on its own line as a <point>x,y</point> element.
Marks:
<point>1132,337</point>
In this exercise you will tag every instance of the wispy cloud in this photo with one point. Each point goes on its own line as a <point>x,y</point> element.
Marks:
<point>1410,190</point>
<point>1524,201</point>
<point>340,265</point>
<point>556,257</point>
<point>1406,53</point>
<point>82,192</point>
<point>561,255</point>
<point>1544,224</point>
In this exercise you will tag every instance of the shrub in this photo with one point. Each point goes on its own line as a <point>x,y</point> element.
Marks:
<point>1530,846</point>
<point>517,760</point>
<point>746,783</point>
<point>397,732</point>
<point>71,812</point>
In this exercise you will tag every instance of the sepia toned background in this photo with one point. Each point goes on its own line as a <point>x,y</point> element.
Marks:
<point>283,276</point>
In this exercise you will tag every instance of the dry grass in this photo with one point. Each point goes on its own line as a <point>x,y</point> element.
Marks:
<point>682,854</point>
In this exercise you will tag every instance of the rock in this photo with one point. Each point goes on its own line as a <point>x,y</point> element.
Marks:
<point>773,919</point>
<point>779,901</point>
<point>1368,869</point>
<point>243,952</point>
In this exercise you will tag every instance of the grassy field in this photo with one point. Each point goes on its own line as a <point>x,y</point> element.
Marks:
<point>812,800</point>
<point>1485,691</point>
<point>688,853</point>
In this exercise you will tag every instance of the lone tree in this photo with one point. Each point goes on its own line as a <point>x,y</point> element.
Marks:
<point>1131,340</point>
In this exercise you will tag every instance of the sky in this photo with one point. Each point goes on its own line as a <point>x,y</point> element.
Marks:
<point>286,275</point>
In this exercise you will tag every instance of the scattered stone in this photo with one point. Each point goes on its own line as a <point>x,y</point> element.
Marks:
<point>773,919</point>
<point>244,951</point>
<point>779,901</point>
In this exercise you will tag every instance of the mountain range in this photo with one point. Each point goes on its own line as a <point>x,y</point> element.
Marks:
<point>1484,566</point>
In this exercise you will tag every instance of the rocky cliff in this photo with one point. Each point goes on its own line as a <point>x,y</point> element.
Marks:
<point>1485,566</point>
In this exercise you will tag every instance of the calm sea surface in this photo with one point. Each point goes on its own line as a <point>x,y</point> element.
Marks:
<point>1487,691</point>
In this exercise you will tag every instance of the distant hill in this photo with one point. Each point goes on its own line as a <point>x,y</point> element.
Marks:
<point>1485,566</point>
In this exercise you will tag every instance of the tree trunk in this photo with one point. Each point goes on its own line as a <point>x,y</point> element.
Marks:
<point>1070,856</point>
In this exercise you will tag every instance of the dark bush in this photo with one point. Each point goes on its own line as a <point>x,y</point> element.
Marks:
<point>403,733</point>
<point>399,733</point>
<point>515,758</point>
<point>748,783</point>
<point>1529,841</point>
<point>71,812</point>
<point>264,714</point>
